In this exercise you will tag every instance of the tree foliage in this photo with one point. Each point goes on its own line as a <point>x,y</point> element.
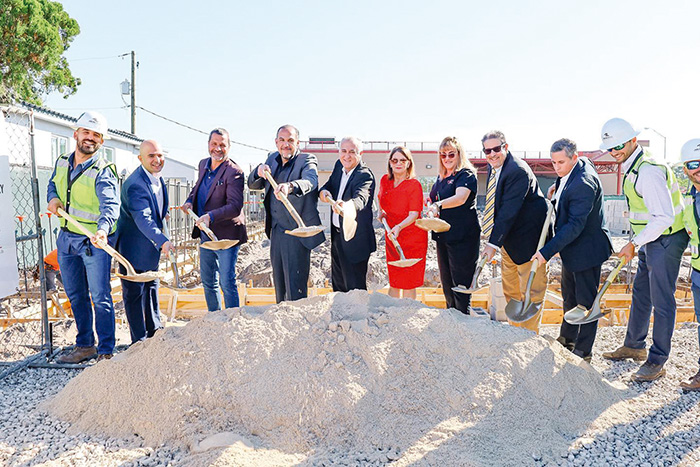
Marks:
<point>34,35</point>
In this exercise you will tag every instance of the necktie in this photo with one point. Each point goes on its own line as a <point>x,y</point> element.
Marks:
<point>490,201</point>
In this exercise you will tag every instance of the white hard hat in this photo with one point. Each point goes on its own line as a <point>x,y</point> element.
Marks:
<point>94,121</point>
<point>691,150</point>
<point>615,132</point>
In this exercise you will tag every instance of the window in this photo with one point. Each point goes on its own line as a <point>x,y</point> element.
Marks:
<point>108,153</point>
<point>59,146</point>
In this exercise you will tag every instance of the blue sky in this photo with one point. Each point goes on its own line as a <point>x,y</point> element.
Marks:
<point>389,70</point>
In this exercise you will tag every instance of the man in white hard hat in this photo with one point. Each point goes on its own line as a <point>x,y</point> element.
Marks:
<point>690,157</point>
<point>84,184</point>
<point>656,218</point>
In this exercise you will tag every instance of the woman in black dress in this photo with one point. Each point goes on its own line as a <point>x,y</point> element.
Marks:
<point>454,199</point>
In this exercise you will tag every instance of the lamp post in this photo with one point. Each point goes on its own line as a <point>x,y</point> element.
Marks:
<point>649,128</point>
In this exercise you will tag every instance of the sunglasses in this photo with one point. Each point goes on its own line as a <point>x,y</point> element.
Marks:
<point>692,165</point>
<point>398,161</point>
<point>448,155</point>
<point>618,147</point>
<point>497,149</point>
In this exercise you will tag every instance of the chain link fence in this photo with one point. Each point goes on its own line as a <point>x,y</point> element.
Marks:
<point>23,324</point>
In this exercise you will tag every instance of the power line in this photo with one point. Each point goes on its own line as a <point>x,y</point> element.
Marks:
<point>198,130</point>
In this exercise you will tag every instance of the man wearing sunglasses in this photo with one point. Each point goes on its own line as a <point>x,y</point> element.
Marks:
<point>656,218</point>
<point>513,218</point>
<point>690,156</point>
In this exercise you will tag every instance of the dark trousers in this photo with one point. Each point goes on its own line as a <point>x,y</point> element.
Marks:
<point>291,262</point>
<point>457,263</point>
<point>579,288</point>
<point>655,286</point>
<point>345,275</point>
<point>141,307</point>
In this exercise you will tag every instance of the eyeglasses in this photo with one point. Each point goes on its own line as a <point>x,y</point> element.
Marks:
<point>692,165</point>
<point>448,155</point>
<point>618,147</point>
<point>497,149</point>
<point>398,161</point>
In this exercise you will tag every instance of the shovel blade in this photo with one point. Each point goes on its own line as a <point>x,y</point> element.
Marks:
<point>434,224</point>
<point>142,277</point>
<point>594,314</point>
<point>219,244</point>
<point>305,231</point>
<point>513,309</point>
<point>528,312</point>
<point>404,263</point>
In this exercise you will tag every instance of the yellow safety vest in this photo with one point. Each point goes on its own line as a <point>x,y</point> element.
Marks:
<point>80,196</point>
<point>690,219</point>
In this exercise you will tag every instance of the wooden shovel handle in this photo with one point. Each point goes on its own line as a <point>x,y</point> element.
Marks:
<point>543,234</point>
<point>393,239</point>
<point>202,227</point>
<point>285,201</point>
<point>335,205</point>
<point>104,245</point>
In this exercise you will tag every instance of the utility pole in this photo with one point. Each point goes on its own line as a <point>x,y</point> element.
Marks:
<point>133,93</point>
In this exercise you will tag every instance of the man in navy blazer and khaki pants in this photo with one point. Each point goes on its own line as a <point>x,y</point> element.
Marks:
<point>351,182</point>
<point>514,222</point>
<point>581,239</point>
<point>217,198</point>
<point>296,174</point>
<point>141,238</point>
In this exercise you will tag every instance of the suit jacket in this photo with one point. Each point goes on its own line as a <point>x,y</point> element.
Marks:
<point>140,226</point>
<point>520,210</point>
<point>581,238</point>
<point>360,191</point>
<point>224,201</point>
<point>304,197</point>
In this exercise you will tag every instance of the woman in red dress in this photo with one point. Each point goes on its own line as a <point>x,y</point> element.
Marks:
<point>401,202</point>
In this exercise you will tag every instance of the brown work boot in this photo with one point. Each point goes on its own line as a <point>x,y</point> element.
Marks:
<point>104,356</point>
<point>623,353</point>
<point>78,354</point>
<point>693,384</point>
<point>649,372</point>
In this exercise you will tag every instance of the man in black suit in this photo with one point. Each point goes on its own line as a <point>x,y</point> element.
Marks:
<point>296,174</point>
<point>581,239</point>
<point>513,219</point>
<point>351,182</point>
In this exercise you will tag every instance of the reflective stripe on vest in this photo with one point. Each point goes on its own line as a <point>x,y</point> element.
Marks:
<point>80,196</point>
<point>638,213</point>
<point>690,219</point>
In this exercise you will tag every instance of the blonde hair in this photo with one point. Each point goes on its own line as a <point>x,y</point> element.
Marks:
<point>410,170</point>
<point>463,162</point>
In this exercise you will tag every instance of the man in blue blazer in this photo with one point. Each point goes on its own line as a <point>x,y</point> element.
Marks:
<point>513,219</point>
<point>351,182</point>
<point>140,238</point>
<point>296,174</point>
<point>581,239</point>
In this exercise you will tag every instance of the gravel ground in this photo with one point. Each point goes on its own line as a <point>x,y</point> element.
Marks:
<point>665,431</point>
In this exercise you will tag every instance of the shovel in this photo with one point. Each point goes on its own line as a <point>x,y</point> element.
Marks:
<point>518,311</point>
<point>580,315</point>
<point>131,274</point>
<point>349,218</point>
<point>176,274</point>
<point>403,262</point>
<point>302,230</point>
<point>475,280</point>
<point>433,223</point>
<point>214,243</point>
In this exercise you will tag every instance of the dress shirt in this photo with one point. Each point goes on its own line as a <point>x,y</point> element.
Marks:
<point>496,175</point>
<point>558,192</point>
<point>157,187</point>
<point>651,184</point>
<point>344,177</point>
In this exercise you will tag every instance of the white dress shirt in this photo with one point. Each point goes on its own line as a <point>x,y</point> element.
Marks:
<point>157,188</point>
<point>562,184</point>
<point>651,184</point>
<point>343,183</point>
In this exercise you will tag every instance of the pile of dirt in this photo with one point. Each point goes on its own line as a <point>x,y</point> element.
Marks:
<point>346,378</point>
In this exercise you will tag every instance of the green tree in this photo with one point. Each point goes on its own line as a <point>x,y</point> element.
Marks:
<point>34,35</point>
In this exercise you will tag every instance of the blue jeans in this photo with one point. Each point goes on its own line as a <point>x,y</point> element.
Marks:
<point>85,268</point>
<point>655,286</point>
<point>695,288</point>
<point>215,263</point>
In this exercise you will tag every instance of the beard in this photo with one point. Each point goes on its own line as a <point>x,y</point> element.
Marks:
<point>88,150</point>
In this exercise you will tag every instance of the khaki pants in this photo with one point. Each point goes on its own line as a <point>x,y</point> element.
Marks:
<point>515,282</point>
